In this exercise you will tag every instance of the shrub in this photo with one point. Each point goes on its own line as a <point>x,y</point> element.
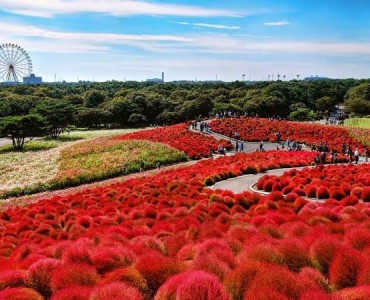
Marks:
<point>267,186</point>
<point>337,193</point>
<point>358,238</point>
<point>130,276</point>
<point>345,267</point>
<point>288,189</point>
<point>355,293</point>
<point>40,273</point>
<point>322,252</point>
<point>192,285</point>
<point>20,293</point>
<point>276,278</point>
<point>79,252</point>
<point>109,258</point>
<point>157,268</point>
<point>75,292</point>
<point>264,293</point>
<point>237,280</point>
<point>73,274</point>
<point>316,295</point>
<point>276,196</point>
<point>365,195</point>
<point>116,290</point>
<point>295,255</point>
<point>322,192</point>
<point>11,278</point>
<point>310,190</point>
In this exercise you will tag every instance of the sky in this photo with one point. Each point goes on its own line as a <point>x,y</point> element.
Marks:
<point>101,40</point>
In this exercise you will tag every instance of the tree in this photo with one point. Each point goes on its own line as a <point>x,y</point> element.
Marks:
<point>137,120</point>
<point>93,98</point>
<point>58,115</point>
<point>92,117</point>
<point>121,109</point>
<point>302,114</point>
<point>168,118</point>
<point>325,106</point>
<point>17,128</point>
<point>358,100</point>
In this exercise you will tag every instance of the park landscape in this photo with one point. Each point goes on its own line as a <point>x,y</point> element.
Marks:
<point>184,150</point>
<point>167,235</point>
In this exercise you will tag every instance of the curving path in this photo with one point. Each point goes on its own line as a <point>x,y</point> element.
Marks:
<point>247,182</point>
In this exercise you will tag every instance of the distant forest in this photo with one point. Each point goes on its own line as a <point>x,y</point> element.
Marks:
<point>122,104</point>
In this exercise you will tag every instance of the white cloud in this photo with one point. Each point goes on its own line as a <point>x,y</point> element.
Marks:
<point>50,8</point>
<point>206,25</point>
<point>37,39</point>
<point>278,23</point>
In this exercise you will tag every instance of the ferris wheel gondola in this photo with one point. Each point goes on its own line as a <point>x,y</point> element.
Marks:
<point>15,63</point>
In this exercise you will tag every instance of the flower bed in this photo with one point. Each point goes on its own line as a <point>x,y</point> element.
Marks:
<point>360,134</point>
<point>169,237</point>
<point>257,129</point>
<point>93,160</point>
<point>195,145</point>
<point>342,182</point>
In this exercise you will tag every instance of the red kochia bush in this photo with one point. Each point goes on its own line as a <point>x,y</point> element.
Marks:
<point>322,192</point>
<point>20,293</point>
<point>265,293</point>
<point>355,293</point>
<point>75,292</point>
<point>237,280</point>
<point>11,278</point>
<point>276,278</point>
<point>114,291</point>
<point>365,195</point>
<point>157,268</point>
<point>345,268</point>
<point>108,258</point>
<point>192,285</point>
<point>40,274</point>
<point>322,252</point>
<point>73,274</point>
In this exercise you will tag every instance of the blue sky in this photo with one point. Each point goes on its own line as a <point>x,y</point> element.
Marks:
<point>138,39</point>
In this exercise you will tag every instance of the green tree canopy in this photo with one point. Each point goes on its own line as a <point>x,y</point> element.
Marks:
<point>358,100</point>
<point>17,128</point>
<point>58,115</point>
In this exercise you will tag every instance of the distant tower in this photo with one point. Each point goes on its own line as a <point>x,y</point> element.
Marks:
<point>278,76</point>
<point>243,77</point>
<point>162,76</point>
<point>284,76</point>
<point>298,76</point>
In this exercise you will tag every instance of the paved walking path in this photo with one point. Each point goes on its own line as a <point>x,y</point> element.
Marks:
<point>246,182</point>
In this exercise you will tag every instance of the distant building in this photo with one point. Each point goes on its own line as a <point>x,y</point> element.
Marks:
<point>32,79</point>
<point>316,78</point>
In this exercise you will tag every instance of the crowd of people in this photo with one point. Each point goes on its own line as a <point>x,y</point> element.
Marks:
<point>322,149</point>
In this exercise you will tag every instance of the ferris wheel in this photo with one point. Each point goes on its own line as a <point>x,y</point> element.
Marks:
<point>15,63</point>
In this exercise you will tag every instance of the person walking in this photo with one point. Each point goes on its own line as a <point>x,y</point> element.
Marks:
<point>241,147</point>
<point>366,152</point>
<point>261,146</point>
<point>357,156</point>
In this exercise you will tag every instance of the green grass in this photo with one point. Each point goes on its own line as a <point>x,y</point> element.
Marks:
<point>48,143</point>
<point>358,122</point>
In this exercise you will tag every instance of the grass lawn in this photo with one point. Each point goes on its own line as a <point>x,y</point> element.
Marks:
<point>358,122</point>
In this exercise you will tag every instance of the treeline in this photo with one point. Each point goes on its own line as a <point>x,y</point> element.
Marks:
<point>121,104</point>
